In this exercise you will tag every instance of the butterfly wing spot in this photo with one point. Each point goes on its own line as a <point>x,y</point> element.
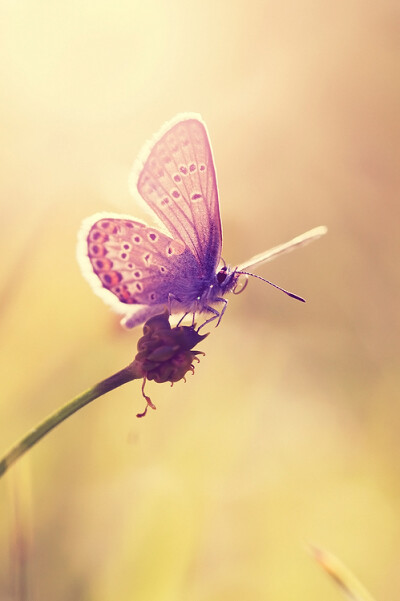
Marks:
<point>108,225</point>
<point>97,236</point>
<point>176,247</point>
<point>103,264</point>
<point>124,295</point>
<point>110,279</point>
<point>97,250</point>
<point>166,159</point>
<point>148,184</point>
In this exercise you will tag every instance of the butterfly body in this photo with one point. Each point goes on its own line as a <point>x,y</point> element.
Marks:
<point>139,269</point>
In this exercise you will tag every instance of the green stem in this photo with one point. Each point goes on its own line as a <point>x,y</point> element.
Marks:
<point>129,373</point>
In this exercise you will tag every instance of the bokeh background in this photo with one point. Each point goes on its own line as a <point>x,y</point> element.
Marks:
<point>288,432</point>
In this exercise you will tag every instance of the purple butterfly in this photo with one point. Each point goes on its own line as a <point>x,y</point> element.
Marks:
<point>139,269</point>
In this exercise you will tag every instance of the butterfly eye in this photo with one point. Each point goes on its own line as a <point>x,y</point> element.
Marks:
<point>221,275</point>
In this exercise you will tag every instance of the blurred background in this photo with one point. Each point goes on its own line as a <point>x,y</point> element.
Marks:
<point>288,432</point>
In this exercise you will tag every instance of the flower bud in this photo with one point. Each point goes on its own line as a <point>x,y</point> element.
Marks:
<point>165,354</point>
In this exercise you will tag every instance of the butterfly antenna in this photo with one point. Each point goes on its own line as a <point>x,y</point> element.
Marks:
<point>291,294</point>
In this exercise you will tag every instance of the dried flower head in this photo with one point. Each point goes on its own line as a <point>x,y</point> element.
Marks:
<point>165,354</point>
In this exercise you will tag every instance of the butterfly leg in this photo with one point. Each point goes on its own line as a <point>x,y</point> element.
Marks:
<point>222,300</point>
<point>171,298</point>
<point>181,319</point>
<point>195,310</point>
<point>216,314</point>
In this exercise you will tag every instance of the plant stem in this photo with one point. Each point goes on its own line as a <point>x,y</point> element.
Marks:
<point>129,373</point>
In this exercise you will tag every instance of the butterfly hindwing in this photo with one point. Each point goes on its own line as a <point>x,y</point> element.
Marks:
<point>136,263</point>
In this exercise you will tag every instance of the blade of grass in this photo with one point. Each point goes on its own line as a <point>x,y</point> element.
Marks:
<point>341,574</point>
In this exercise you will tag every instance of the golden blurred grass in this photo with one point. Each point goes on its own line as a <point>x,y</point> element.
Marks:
<point>288,432</point>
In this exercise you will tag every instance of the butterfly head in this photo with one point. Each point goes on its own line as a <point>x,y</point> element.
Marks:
<point>228,280</point>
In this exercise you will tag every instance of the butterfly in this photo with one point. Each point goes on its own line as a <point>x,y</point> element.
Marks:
<point>139,269</point>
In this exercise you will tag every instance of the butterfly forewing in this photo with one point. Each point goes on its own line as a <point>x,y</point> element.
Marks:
<point>178,182</point>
